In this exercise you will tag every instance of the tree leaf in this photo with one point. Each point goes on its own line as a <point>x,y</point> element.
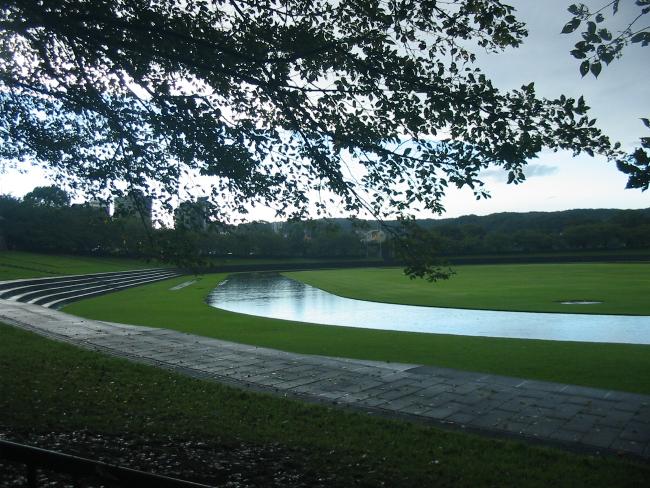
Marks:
<point>596,69</point>
<point>646,122</point>
<point>607,56</point>
<point>605,34</point>
<point>571,26</point>
<point>584,68</point>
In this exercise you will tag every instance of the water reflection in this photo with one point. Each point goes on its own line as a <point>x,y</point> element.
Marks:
<point>275,296</point>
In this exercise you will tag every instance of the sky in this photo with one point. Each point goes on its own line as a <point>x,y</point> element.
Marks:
<point>555,181</point>
<point>618,98</point>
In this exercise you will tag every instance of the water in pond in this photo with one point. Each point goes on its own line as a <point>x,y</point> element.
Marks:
<point>275,296</point>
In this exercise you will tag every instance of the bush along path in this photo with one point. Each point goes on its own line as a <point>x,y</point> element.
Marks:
<point>560,414</point>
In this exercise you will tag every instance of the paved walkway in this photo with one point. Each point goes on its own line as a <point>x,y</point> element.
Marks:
<point>568,415</point>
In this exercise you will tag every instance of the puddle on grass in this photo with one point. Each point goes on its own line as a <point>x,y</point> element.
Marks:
<point>275,296</point>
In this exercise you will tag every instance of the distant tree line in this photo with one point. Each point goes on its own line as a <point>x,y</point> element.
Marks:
<point>45,221</point>
<point>306,239</point>
<point>58,227</point>
<point>570,230</point>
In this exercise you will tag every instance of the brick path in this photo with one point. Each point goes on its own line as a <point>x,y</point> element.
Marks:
<point>567,415</point>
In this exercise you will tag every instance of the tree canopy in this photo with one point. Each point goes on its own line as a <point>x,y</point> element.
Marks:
<point>48,196</point>
<point>599,45</point>
<point>375,105</point>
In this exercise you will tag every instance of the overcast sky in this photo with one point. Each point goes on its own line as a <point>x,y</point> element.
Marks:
<point>556,181</point>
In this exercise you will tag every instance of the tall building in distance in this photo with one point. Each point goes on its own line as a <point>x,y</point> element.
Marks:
<point>134,205</point>
<point>100,205</point>
<point>192,215</point>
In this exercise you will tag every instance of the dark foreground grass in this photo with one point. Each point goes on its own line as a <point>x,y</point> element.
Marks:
<point>622,287</point>
<point>615,366</point>
<point>16,265</point>
<point>48,386</point>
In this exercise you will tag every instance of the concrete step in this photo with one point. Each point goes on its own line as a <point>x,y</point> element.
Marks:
<point>58,301</point>
<point>57,291</point>
<point>26,294</point>
<point>8,285</point>
<point>47,295</point>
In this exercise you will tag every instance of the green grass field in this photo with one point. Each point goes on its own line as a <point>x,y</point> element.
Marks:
<point>616,366</point>
<point>47,386</point>
<point>623,288</point>
<point>523,287</point>
<point>579,255</point>
<point>16,265</point>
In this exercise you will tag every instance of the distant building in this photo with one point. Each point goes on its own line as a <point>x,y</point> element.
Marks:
<point>134,205</point>
<point>101,205</point>
<point>277,227</point>
<point>193,215</point>
<point>373,239</point>
<point>374,236</point>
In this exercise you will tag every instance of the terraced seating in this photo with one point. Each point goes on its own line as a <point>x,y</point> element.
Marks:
<point>56,292</point>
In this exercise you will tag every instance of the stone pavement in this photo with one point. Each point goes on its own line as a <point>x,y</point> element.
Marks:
<point>566,415</point>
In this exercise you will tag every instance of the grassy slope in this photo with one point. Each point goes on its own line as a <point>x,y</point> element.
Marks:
<point>48,386</point>
<point>617,366</point>
<point>623,288</point>
<point>252,261</point>
<point>16,265</point>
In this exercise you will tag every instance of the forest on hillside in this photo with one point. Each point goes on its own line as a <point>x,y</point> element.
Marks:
<point>58,227</point>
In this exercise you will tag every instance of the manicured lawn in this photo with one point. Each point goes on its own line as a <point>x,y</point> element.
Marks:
<point>16,265</point>
<point>616,366</point>
<point>623,288</point>
<point>578,255</point>
<point>47,386</point>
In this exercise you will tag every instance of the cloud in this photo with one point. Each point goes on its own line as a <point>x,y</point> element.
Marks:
<point>494,174</point>
<point>533,170</point>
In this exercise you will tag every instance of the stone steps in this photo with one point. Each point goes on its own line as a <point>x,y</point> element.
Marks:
<point>5,285</point>
<point>25,293</point>
<point>58,291</point>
